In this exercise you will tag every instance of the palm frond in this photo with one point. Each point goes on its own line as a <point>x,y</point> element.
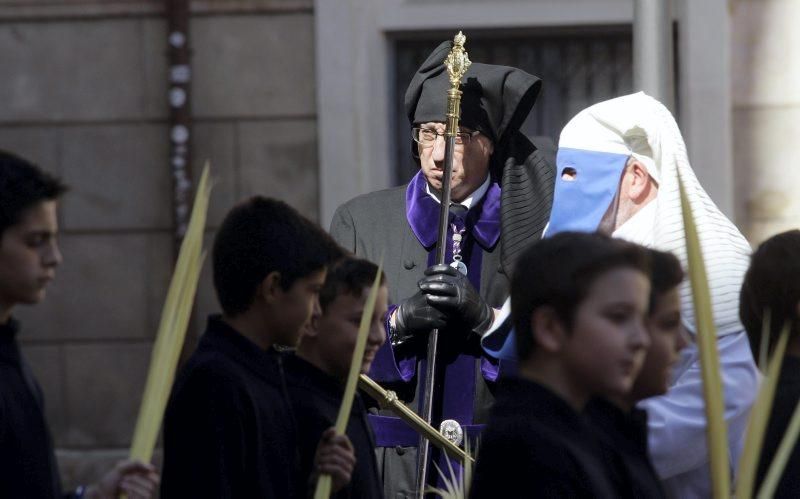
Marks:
<point>456,485</point>
<point>759,415</point>
<point>323,489</point>
<point>172,328</point>
<point>716,429</point>
<point>778,465</point>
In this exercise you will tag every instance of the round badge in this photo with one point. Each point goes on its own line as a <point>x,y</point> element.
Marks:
<point>452,431</point>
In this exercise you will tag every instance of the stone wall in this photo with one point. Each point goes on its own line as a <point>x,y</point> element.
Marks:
<point>83,93</point>
<point>766,115</point>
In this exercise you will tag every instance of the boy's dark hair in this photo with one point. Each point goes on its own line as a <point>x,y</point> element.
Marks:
<point>772,283</point>
<point>22,185</point>
<point>349,275</point>
<point>666,274</point>
<point>260,236</point>
<point>558,272</point>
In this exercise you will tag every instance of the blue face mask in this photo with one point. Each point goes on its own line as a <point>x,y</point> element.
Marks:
<point>579,204</point>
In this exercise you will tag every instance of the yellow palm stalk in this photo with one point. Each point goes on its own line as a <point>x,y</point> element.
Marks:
<point>323,490</point>
<point>782,455</point>
<point>716,429</point>
<point>172,328</point>
<point>759,415</point>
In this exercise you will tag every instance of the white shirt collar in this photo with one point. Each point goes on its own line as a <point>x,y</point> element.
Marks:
<point>473,198</point>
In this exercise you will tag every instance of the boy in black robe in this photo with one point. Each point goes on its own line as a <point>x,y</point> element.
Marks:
<point>29,256</point>
<point>578,304</point>
<point>316,374</point>
<point>228,431</point>
<point>772,283</point>
<point>622,426</point>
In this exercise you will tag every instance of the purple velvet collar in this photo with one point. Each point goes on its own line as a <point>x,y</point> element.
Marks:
<point>422,213</point>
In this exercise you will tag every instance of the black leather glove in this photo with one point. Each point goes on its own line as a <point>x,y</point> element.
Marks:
<point>414,317</point>
<point>450,291</point>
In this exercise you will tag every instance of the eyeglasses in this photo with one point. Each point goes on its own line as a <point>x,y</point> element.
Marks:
<point>426,137</point>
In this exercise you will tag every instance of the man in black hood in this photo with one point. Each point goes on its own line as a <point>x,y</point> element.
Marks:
<point>501,195</point>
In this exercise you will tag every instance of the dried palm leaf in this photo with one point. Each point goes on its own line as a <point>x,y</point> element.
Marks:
<point>759,415</point>
<point>172,328</point>
<point>778,465</point>
<point>323,490</point>
<point>716,429</point>
<point>457,485</point>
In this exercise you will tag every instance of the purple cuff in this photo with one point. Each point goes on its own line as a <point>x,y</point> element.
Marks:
<point>490,368</point>
<point>387,366</point>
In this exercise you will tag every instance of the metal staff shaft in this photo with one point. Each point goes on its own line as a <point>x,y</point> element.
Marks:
<point>433,339</point>
<point>387,399</point>
<point>457,63</point>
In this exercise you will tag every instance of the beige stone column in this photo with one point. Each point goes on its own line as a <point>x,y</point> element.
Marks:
<point>766,115</point>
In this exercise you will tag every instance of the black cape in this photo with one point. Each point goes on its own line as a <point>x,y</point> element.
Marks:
<point>316,398</point>
<point>28,467</point>
<point>623,440</point>
<point>228,432</point>
<point>536,445</point>
<point>787,394</point>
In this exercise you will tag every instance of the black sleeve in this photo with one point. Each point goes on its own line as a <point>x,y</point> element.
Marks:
<point>3,422</point>
<point>205,439</point>
<point>507,468</point>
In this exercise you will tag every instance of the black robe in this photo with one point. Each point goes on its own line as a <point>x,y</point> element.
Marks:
<point>787,394</point>
<point>536,445</point>
<point>228,432</point>
<point>623,440</point>
<point>28,467</point>
<point>316,398</point>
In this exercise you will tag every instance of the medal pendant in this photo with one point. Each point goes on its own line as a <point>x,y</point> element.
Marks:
<point>460,266</point>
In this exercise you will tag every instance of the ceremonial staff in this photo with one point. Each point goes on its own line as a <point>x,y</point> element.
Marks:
<point>457,63</point>
<point>388,399</point>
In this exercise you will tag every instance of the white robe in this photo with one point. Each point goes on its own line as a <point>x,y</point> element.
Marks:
<point>640,126</point>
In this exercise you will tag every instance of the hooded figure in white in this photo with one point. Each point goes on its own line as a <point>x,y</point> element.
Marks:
<point>617,172</point>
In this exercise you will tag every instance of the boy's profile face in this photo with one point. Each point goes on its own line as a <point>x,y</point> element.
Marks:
<point>337,331</point>
<point>293,308</point>
<point>608,341</point>
<point>667,339</point>
<point>29,255</point>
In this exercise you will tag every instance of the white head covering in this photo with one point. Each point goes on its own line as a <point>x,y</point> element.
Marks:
<point>640,126</point>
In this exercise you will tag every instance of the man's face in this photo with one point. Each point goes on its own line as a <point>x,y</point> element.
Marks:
<point>29,256</point>
<point>470,162</point>
<point>667,339</point>
<point>293,308</point>
<point>338,331</point>
<point>636,189</point>
<point>608,341</point>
